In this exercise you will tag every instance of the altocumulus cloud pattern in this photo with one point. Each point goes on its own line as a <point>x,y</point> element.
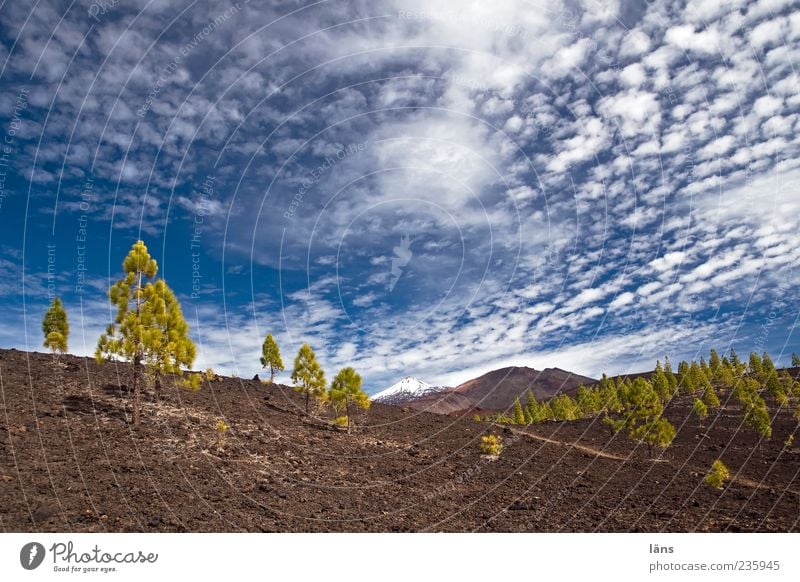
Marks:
<point>585,184</point>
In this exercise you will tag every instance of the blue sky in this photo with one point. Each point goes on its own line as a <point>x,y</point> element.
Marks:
<point>413,189</point>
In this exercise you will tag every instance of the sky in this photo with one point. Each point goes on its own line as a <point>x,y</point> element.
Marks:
<point>422,188</point>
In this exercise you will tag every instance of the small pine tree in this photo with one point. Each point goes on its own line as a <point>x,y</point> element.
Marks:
<point>346,392</point>
<point>661,383</point>
<point>710,398</point>
<point>519,415</point>
<point>717,475</point>
<point>756,366</point>
<point>308,376</point>
<point>673,381</point>
<point>714,362</point>
<point>55,327</point>
<point>532,409</point>
<point>795,360</point>
<point>271,357</point>
<point>700,409</point>
<point>492,445</point>
<point>767,364</point>
<point>587,400</point>
<point>738,366</point>
<point>754,409</point>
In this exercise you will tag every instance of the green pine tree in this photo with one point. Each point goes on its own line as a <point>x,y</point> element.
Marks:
<point>756,366</point>
<point>308,376</point>
<point>641,415</point>
<point>673,381</point>
<point>564,408</point>
<point>754,409</point>
<point>55,327</point>
<point>271,357</point>
<point>710,398</point>
<point>346,392</point>
<point>168,346</point>
<point>700,409</point>
<point>519,415</point>
<point>131,336</point>
<point>795,360</point>
<point>661,383</point>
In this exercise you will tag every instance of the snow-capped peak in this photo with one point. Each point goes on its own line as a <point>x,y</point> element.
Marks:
<point>406,389</point>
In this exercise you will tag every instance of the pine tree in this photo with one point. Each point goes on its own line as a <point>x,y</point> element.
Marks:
<point>128,337</point>
<point>519,415</point>
<point>718,475</point>
<point>673,381</point>
<point>55,327</point>
<point>700,409</point>
<point>532,407</point>
<point>308,376</point>
<point>661,383</point>
<point>767,364</point>
<point>705,367</point>
<point>346,392</point>
<point>684,380</point>
<point>714,362</point>
<point>738,366</point>
<point>754,409</point>
<point>564,408</point>
<point>710,398</point>
<point>641,415</point>
<point>168,347</point>
<point>755,366</point>
<point>609,395</point>
<point>795,360</point>
<point>271,357</point>
<point>588,401</point>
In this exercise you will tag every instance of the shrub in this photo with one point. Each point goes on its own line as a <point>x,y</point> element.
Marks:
<point>492,445</point>
<point>209,375</point>
<point>476,417</point>
<point>341,421</point>
<point>192,382</point>
<point>222,427</point>
<point>717,475</point>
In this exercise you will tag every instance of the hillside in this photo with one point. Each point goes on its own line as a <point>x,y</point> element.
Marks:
<point>69,461</point>
<point>498,389</point>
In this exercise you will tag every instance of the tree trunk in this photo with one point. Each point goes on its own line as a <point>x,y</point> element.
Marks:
<point>308,394</point>
<point>347,412</point>
<point>271,375</point>
<point>137,390</point>
<point>137,359</point>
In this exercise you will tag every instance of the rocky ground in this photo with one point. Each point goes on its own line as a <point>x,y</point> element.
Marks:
<point>69,461</point>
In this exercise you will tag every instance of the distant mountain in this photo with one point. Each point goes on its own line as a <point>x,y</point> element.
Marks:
<point>497,390</point>
<point>406,390</point>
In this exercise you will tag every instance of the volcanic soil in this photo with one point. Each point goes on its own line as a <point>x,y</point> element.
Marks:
<point>71,462</point>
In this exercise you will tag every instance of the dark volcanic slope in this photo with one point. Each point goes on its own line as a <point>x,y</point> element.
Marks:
<point>498,389</point>
<point>69,461</point>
